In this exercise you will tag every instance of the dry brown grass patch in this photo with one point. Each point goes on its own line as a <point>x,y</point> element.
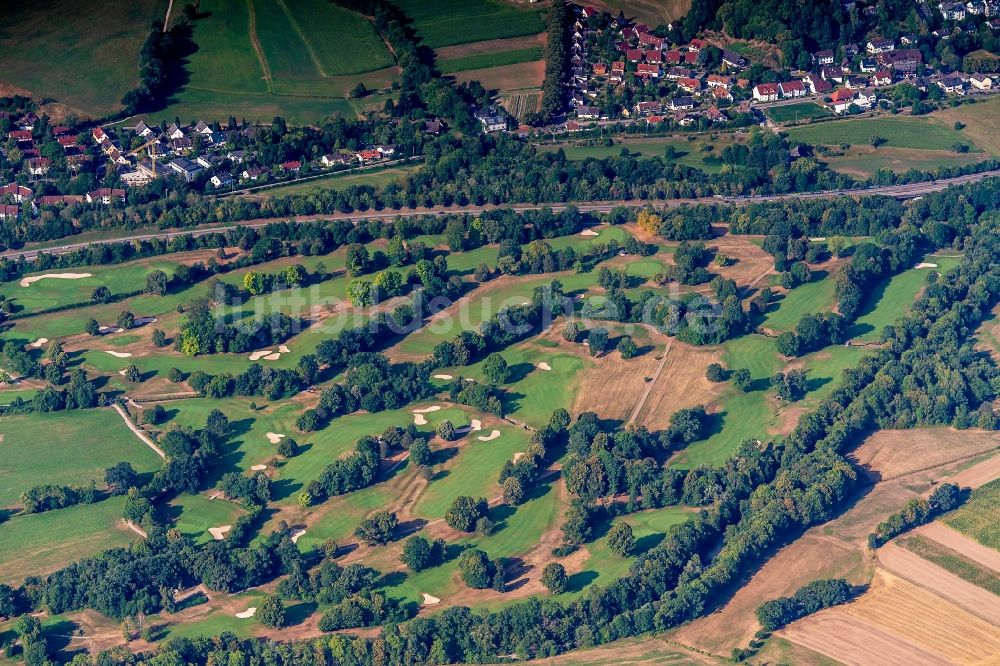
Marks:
<point>506,77</point>
<point>490,46</point>
<point>894,453</point>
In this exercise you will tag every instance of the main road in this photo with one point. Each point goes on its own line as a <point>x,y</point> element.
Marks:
<point>909,191</point>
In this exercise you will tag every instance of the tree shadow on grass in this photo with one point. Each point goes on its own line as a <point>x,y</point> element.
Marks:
<point>519,371</point>
<point>298,613</point>
<point>816,383</point>
<point>580,580</point>
<point>648,542</point>
<point>284,488</point>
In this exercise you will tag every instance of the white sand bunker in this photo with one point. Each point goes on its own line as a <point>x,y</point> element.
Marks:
<point>119,354</point>
<point>419,419</point>
<point>818,239</point>
<point>215,496</point>
<point>122,373</point>
<point>247,613</point>
<point>39,342</point>
<point>518,456</point>
<point>284,350</point>
<point>258,468</point>
<point>476,425</point>
<point>442,376</point>
<point>110,329</point>
<point>296,534</point>
<point>589,232</point>
<point>275,437</point>
<point>490,437</point>
<point>544,366</point>
<point>272,357</point>
<point>429,600</point>
<point>25,282</point>
<point>427,410</point>
<point>926,265</point>
<point>257,355</point>
<point>219,533</point>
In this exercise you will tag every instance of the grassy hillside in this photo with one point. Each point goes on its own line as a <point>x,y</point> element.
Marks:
<point>447,22</point>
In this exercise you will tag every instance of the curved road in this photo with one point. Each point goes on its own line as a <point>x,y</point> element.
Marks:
<point>909,191</point>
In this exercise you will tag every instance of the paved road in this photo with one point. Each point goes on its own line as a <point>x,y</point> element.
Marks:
<point>898,191</point>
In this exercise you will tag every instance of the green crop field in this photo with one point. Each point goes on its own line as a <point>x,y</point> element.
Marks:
<point>951,560</point>
<point>446,22</point>
<point>978,517</point>
<point>483,60</point>
<point>797,112</point>
<point>295,58</point>
<point>61,448</point>
<point>90,58</point>
<point>898,132</point>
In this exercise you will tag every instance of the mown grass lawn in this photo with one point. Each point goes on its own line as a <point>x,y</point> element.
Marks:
<point>813,298</point>
<point>65,448</point>
<point>797,112</point>
<point>892,298</point>
<point>194,514</point>
<point>37,544</point>
<point>688,153</point>
<point>899,132</point>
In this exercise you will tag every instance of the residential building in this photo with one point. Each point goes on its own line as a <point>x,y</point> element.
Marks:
<point>105,196</point>
<point>765,92</point>
<point>823,57</point>
<point>880,45</point>
<point>733,59</point>
<point>185,168</point>
<point>791,89</point>
<point>39,166</point>
<point>18,193</point>
<point>981,81</point>
<point>223,179</point>
<point>9,211</point>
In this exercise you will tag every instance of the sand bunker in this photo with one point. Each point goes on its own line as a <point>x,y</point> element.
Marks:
<point>427,410</point>
<point>257,355</point>
<point>247,613</point>
<point>518,456</point>
<point>142,321</point>
<point>926,265</point>
<point>39,342</point>
<point>476,424</point>
<point>296,534</point>
<point>219,533</point>
<point>110,329</point>
<point>419,419</point>
<point>275,437</point>
<point>818,239</point>
<point>284,350</point>
<point>544,366</point>
<point>215,496</point>
<point>119,354</point>
<point>490,437</point>
<point>442,376</point>
<point>589,232</point>
<point>122,373</point>
<point>429,600</point>
<point>272,357</point>
<point>25,282</point>
<point>258,468</point>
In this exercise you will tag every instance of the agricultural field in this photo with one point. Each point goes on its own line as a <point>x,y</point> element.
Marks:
<point>295,58</point>
<point>981,120</point>
<point>651,12</point>
<point>977,518</point>
<point>864,161</point>
<point>85,73</point>
<point>445,22</point>
<point>487,60</point>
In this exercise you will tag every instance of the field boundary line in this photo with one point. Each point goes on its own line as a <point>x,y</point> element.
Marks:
<point>166,18</point>
<point>651,383</point>
<point>143,437</point>
<point>305,40</point>
<point>258,49</point>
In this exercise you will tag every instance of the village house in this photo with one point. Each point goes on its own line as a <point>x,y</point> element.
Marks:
<point>18,193</point>
<point>823,57</point>
<point>882,78</point>
<point>59,199</point>
<point>689,85</point>
<point>174,132</point>
<point>39,166</point>
<point>292,166</point>
<point>722,94</point>
<point>832,74</point>
<point>588,112</point>
<point>715,115</point>
<point>952,11</point>
<point>816,84</point>
<point>223,179</point>
<point>681,103</point>
<point>185,168</point>
<point>981,81</point>
<point>765,92</point>
<point>253,173</point>
<point>333,159</point>
<point>791,89</point>
<point>952,85</point>
<point>645,70</point>
<point>105,196</point>
<point>368,155</point>
<point>733,60</point>
<point>719,81</point>
<point>880,45</point>
<point>9,211</point>
<point>647,108</point>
